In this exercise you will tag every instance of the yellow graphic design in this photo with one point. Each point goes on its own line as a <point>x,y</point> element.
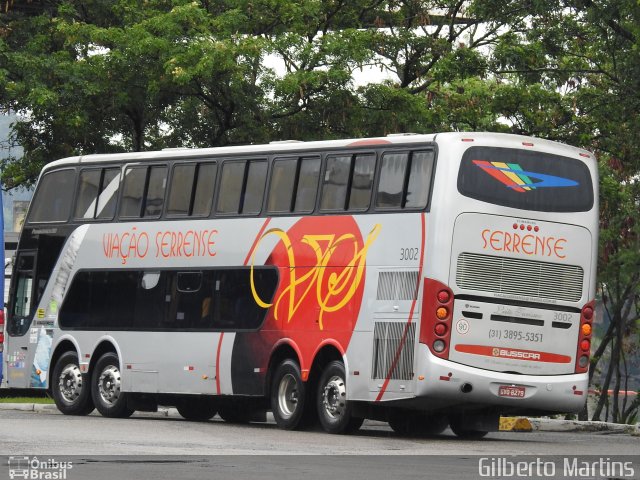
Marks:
<point>332,293</point>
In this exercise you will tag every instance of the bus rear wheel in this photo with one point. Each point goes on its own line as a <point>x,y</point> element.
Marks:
<point>408,424</point>
<point>106,388</point>
<point>197,409</point>
<point>288,396</point>
<point>334,411</point>
<point>460,427</point>
<point>70,387</point>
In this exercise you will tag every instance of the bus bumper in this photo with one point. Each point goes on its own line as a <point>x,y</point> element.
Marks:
<point>455,384</point>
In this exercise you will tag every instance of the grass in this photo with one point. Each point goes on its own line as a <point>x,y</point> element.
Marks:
<point>43,400</point>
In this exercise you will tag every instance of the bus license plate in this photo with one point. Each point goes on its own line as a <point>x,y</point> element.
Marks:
<point>513,392</point>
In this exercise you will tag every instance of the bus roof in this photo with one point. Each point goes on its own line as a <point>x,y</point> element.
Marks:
<point>291,146</point>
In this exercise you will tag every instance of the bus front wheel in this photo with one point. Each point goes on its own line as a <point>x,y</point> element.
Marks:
<point>334,411</point>
<point>70,387</point>
<point>288,396</point>
<point>106,388</point>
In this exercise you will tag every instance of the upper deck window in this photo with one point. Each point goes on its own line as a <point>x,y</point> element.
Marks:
<point>97,193</point>
<point>143,191</point>
<point>525,179</point>
<point>53,197</point>
<point>191,192</point>
<point>294,183</point>
<point>242,187</point>
<point>347,182</point>
<point>405,180</point>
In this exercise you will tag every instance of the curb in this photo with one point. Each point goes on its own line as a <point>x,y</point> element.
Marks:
<point>515,424</point>
<point>521,424</point>
<point>29,407</point>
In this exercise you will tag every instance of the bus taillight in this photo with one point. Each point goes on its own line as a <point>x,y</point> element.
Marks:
<point>1,329</point>
<point>435,327</point>
<point>584,337</point>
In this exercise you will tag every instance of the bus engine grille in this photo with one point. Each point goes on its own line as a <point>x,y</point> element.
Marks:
<point>393,344</point>
<point>513,276</point>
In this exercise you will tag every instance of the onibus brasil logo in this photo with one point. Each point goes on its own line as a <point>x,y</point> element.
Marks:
<point>514,177</point>
<point>32,468</point>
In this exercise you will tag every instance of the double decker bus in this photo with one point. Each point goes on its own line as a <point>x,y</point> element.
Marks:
<point>425,280</point>
<point>2,291</point>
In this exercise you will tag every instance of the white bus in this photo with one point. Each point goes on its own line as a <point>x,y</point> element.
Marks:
<point>426,280</point>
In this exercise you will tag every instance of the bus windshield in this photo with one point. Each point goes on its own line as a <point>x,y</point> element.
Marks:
<point>526,180</point>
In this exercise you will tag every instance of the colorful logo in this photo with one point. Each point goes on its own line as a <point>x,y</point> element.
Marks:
<point>513,176</point>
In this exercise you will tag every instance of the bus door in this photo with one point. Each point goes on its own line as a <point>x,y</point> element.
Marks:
<point>20,351</point>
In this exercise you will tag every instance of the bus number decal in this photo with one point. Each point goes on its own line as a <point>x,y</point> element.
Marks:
<point>407,254</point>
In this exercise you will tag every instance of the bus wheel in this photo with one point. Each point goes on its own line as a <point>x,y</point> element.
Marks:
<point>71,388</point>
<point>106,390</point>
<point>459,427</point>
<point>288,396</point>
<point>408,424</point>
<point>197,409</point>
<point>334,411</point>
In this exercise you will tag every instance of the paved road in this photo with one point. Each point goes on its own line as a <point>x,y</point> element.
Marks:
<point>181,449</point>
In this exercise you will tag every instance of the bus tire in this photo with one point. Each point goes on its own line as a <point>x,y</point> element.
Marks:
<point>71,389</point>
<point>197,409</point>
<point>334,411</point>
<point>457,425</point>
<point>106,388</point>
<point>288,396</point>
<point>416,425</point>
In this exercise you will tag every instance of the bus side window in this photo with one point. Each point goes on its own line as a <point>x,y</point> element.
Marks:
<point>294,184</point>
<point>88,189</point>
<point>334,186</point>
<point>143,191</point>
<point>132,192</point>
<point>348,182</point>
<point>405,180</point>
<point>307,187</point>
<point>242,187</point>
<point>231,187</point>
<point>254,187</point>
<point>420,175</point>
<point>362,182</point>
<point>109,187</point>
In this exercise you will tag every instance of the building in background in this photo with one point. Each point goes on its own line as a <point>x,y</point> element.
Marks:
<point>16,201</point>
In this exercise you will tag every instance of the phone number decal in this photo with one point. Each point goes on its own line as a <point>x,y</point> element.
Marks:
<point>507,334</point>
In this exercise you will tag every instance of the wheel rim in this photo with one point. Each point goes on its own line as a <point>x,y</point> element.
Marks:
<point>334,397</point>
<point>288,395</point>
<point>70,383</point>
<point>109,385</point>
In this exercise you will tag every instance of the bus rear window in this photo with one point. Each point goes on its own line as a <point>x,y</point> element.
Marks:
<point>526,180</point>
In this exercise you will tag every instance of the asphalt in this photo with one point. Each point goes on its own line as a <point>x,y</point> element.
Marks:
<point>512,424</point>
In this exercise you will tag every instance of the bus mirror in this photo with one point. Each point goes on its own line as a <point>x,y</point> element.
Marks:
<point>150,280</point>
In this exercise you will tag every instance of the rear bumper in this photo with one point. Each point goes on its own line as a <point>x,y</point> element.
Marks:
<point>451,384</point>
